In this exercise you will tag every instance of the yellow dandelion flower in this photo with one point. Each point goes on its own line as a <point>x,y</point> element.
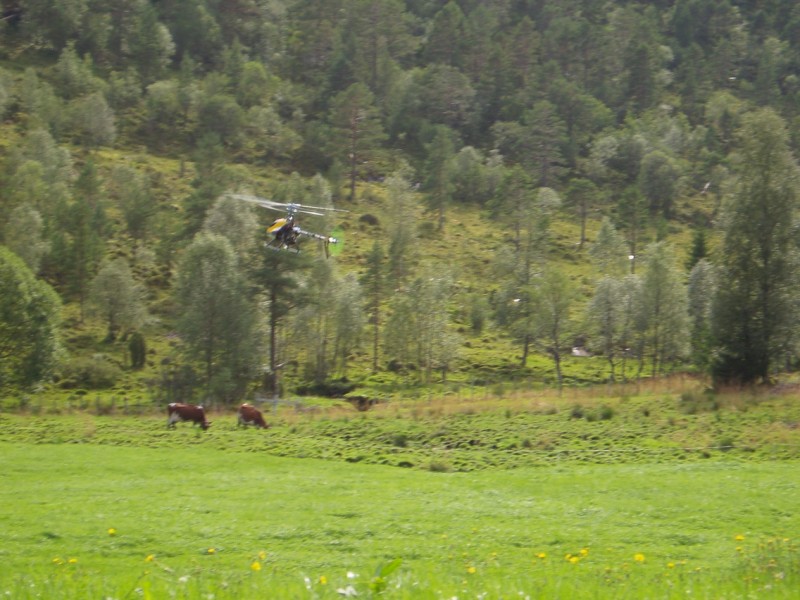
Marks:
<point>58,561</point>
<point>72,561</point>
<point>471,570</point>
<point>256,566</point>
<point>211,551</point>
<point>262,555</point>
<point>584,552</point>
<point>739,549</point>
<point>150,558</point>
<point>638,557</point>
<point>739,538</point>
<point>568,556</point>
<point>112,531</point>
<point>670,565</point>
<point>541,555</point>
<point>323,580</point>
<point>575,559</point>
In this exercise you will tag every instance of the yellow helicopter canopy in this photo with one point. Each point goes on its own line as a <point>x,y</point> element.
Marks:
<point>276,225</point>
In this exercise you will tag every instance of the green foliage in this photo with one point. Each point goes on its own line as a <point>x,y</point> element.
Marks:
<point>29,324</point>
<point>454,107</point>
<point>753,313</point>
<point>217,319</point>
<point>137,349</point>
<point>117,296</point>
<point>378,583</point>
<point>89,372</point>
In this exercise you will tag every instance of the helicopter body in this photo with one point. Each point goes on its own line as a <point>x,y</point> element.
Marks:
<point>284,230</point>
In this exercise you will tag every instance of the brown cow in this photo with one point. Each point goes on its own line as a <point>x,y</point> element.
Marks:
<point>178,412</point>
<point>250,415</point>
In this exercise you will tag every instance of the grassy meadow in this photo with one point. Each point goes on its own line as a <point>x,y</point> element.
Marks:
<point>655,495</point>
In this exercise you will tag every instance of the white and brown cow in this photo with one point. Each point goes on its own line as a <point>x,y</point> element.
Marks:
<point>250,415</point>
<point>178,412</point>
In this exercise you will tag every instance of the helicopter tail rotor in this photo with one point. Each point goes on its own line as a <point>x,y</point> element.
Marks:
<point>335,243</point>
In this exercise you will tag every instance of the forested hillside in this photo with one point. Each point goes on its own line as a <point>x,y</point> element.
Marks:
<point>525,180</point>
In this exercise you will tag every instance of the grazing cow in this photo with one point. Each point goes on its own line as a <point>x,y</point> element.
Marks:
<point>250,415</point>
<point>186,412</point>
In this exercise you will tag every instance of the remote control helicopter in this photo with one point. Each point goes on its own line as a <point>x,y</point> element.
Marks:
<point>285,230</point>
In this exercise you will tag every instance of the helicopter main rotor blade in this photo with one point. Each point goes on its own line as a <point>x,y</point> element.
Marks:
<point>263,202</point>
<point>290,207</point>
<point>302,209</point>
<point>325,208</point>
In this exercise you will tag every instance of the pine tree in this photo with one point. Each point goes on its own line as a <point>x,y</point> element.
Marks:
<point>439,168</point>
<point>357,132</point>
<point>373,282</point>
<point>753,311</point>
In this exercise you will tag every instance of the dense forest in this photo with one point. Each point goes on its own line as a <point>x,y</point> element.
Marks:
<point>624,172</point>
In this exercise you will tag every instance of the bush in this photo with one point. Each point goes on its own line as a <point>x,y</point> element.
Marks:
<point>606,413</point>
<point>327,389</point>
<point>438,467</point>
<point>400,440</point>
<point>95,372</point>
<point>692,403</point>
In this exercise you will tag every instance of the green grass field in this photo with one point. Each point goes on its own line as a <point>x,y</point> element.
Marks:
<point>84,520</point>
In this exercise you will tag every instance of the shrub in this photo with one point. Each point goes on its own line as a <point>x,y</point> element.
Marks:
<point>726,443</point>
<point>400,440</point>
<point>692,403</point>
<point>606,413</point>
<point>438,467</point>
<point>95,372</point>
<point>369,219</point>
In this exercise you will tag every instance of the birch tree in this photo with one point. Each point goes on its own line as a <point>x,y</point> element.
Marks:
<point>217,321</point>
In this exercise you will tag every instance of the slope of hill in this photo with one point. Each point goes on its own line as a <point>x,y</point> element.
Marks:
<point>123,129</point>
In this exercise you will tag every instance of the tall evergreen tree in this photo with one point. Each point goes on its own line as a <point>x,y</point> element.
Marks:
<point>76,248</point>
<point>439,182</point>
<point>753,314</point>
<point>702,288</point>
<point>447,36</point>
<point>580,195</point>
<point>278,278</point>
<point>373,282</point>
<point>401,227</point>
<point>357,131</point>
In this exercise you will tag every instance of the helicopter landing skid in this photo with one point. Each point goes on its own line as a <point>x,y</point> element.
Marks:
<point>281,248</point>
